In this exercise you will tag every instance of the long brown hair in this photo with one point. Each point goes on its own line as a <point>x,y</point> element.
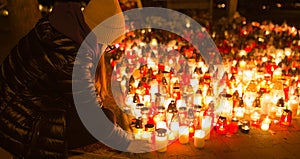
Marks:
<point>101,78</point>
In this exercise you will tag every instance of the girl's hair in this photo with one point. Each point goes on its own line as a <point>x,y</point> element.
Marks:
<point>101,79</point>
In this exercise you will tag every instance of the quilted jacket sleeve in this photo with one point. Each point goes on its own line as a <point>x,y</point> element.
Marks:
<point>85,99</point>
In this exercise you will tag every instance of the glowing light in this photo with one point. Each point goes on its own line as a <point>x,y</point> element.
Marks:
<point>278,5</point>
<point>154,42</point>
<point>188,25</point>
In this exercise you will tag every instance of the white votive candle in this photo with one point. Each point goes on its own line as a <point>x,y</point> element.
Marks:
<point>161,124</point>
<point>265,125</point>
<point>183,134</point>
<point>199,138</point>
<point>174,126</point>
<point>161,140</point>
<point>146,136</point>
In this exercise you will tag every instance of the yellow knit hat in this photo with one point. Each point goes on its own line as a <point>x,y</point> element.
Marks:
<point>98,11</point>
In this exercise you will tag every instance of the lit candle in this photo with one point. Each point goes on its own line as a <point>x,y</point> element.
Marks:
<point>242,63</point>
<point>197,99</point>
<point>179,103</point>
<point>195,84</point>
<point>206,126</point>
<point>255,116</point>
<point>234,125</point>
<point>183,134</point>
<point>161,140</point>
<point>199,138</point>
<point>161,124</point>
<point>174,126</point>
<point>245,127</point>
<point>265,125</point>
<point>146,136</point>
<point>221,125</point>
<point>138,133</point>
<point>286,117</point>
<point>288,51</point>
<point>293,106</point>
<point>239,112</point>
<point>191,130</point>
<point>171,136</point>
<point>266,100</point>
<point>226,104</point>
<point>147,100</point>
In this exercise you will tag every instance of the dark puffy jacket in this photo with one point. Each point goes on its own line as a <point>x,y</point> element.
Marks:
<point>38,118</point>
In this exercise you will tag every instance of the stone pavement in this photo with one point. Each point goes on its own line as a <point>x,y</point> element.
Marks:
<point>279,142</point>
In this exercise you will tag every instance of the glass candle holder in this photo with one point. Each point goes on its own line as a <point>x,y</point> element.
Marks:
<point>149,128</point>
<point>221,126</point>
<point>182,115</point>
<point>138,133</point>
<point>255,117</point>
<point>161,124</point>
<point>286,117</point>
<point>145,117</point>
<point>199,138</point>
<point>161,140</point>
<point>206,126</point>
<point>176,93</point>
<point>183,134</point>
<point>146,136</point>
<point>234,125</point>
<point>171,136</point>
<point>265,125</point>
<point>226,104</point>
<point>138,109</point>
<point>245,128</point>
<point>174,127</point>
<point>239,111</point>
<point>162,113</point>
<point>294,105</point>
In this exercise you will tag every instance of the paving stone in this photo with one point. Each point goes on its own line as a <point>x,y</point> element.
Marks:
<point>242,154</point>
<point>276,151</point>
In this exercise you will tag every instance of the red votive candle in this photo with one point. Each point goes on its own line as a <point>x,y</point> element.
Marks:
<point>234,125</point>
<point>286,117</point>
<point>221,126</point>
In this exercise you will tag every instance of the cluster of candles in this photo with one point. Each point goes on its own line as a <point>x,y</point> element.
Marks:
<point>172,96</point>
<point>181,106</point>
<point>166,107</point>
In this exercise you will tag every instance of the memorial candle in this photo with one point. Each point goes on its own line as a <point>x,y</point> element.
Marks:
<point>146,136</point>
<point>138,133</point>
<point>286,117</point>
<point>293,106</point>
<point>199,138</point>
<point>221,126</point>
<point>206,126</point>
<point>161,140</point>
<point>161,124</point>
<point>171,136</point>
<point>234,125</point>
<point>174,126</point>
<point>265,125</point>
<point>183,134</point>
<point>245,127</point>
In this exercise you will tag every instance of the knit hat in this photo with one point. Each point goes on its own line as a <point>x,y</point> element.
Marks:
<point>100,12</point>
